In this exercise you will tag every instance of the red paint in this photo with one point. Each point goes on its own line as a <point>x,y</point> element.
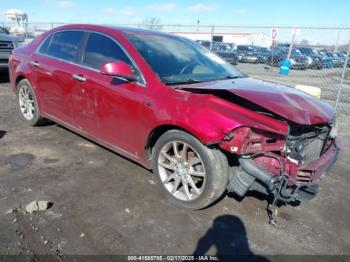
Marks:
<point>316,168</point>
<point>123,115</point>
<point>119,68</point>
<point>247,141</point>
<point>285,101</point>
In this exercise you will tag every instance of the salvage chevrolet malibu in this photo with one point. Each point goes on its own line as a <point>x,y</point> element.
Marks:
<point>176,108</point>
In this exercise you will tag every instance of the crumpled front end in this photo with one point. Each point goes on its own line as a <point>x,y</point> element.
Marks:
<point>287,167</point>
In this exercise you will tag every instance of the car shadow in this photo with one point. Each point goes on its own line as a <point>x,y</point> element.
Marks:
<point>2,133</point>
<point>4,76</point>
<point>228,236</point>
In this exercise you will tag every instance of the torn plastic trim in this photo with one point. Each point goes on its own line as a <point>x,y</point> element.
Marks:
<point>250,177</point>
<point>246,140</point>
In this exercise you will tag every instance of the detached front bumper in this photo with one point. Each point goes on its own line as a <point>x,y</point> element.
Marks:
<point>302,186</point>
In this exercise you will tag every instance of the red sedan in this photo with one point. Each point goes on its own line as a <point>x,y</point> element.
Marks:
<point>178,109</point>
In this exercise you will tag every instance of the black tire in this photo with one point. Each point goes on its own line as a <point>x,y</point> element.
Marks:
<point>215,164</point>
<point>36,120</point>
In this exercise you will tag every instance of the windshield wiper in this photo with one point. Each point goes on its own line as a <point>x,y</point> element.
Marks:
<point>231,77</point>
<point>194,81</point>
<point>187,81</point>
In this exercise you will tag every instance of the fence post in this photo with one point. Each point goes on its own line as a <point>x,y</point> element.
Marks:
<point>211,37</point>
<point>337,41</point>
<point>342,76</point>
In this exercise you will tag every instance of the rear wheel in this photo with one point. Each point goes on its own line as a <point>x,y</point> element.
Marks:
<point>190,174</point>
<point>28,106</point>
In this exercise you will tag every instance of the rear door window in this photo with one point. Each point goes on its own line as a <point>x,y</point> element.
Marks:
<point>101,49</point>
<point>45,45</point>
<point>65,45</point>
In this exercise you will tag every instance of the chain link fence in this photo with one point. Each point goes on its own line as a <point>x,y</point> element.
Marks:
<point>318,57</point>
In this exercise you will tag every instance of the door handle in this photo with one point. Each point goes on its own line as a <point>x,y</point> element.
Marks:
<point>79,78</point>
<point>35,63</point>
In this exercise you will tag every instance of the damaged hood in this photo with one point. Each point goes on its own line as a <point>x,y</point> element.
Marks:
<point>284,101</point>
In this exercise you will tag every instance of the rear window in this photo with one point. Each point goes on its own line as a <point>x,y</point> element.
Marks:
<point>65,45</point>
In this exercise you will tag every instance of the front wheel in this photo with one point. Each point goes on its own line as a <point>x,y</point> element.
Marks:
<point>190,174</point>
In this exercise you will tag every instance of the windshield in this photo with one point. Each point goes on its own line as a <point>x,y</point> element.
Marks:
<point>4,31</point>
<point>179,60</point>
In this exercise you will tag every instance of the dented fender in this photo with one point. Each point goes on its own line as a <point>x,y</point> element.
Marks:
<point>211,119</point>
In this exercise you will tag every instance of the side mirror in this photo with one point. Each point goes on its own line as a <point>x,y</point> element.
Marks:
<point>118,69</point>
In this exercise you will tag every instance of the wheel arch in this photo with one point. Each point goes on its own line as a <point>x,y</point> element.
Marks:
<point>157,132</point>
<point>19,78</point>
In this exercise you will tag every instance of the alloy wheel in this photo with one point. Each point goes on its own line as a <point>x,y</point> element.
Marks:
<point>26,102</point>
<point>181,170</point>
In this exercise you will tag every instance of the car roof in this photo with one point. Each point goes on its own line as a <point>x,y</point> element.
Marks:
<point>119,29</point>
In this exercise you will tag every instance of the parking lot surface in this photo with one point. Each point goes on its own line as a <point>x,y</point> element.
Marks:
<point>102,203</point>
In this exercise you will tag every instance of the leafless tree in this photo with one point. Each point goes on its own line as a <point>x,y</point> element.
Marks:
<point>152,23</point>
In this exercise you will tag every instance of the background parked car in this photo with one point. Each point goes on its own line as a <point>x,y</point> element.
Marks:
<point>7,44</point>
<point>263,54</point>
<point>226,52</point>
<point>337,61</point>
<point>342,56</point>
<point>223,50</point>
<point>297,59</point>
<point>247,54</point>
<point>315,59</point>
<point>327,61</point>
